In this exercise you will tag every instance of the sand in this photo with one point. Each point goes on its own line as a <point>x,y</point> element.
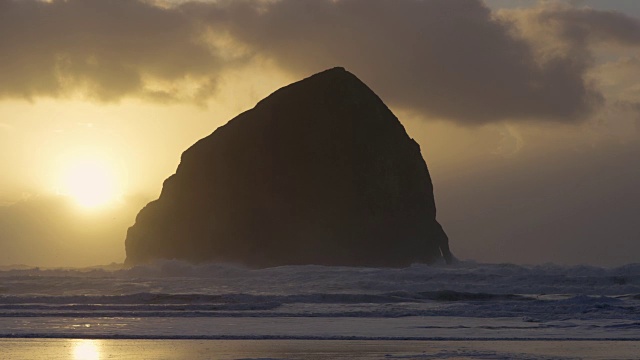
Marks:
<point>78,349</point>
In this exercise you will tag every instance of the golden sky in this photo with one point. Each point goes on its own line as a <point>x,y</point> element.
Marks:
<point>527,112</point>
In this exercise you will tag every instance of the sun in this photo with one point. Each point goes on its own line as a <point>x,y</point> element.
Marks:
<point>86,350</point>
<point>90,182</point>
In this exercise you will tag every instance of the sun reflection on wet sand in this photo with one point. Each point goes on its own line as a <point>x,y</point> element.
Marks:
<point>68,349</point>
<point>86,350</point>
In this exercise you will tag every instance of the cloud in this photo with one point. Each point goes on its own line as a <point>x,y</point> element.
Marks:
<point>52,231</point>
<point>106,49</point>
<point>580,25</point>
<point>448,59</point>
<point>571,202</point>
<point>453,60</point>
<point>620,79</point>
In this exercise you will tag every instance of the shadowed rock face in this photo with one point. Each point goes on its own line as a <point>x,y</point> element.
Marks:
<point>319,172</point>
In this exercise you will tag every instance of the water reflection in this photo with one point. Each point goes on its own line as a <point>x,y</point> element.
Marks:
<point>86,350</point>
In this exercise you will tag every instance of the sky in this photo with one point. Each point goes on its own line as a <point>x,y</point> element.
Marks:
<point>527,112</point>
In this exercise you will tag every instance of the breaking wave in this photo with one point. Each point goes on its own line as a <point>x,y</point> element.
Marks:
<point>173,299</point>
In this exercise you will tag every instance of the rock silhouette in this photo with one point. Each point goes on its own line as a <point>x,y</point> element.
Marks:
<point>319,172</point>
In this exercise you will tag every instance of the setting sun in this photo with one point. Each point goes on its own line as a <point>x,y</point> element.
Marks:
<point>86,350</point>
<point>91,183</point>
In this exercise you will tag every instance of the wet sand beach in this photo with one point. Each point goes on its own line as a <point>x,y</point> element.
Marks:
<point>80,349</point>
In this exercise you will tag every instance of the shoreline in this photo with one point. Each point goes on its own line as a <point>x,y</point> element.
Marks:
<point>85,349</point>
<point>310,338</point>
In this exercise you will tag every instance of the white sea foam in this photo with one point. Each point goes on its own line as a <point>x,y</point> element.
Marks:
<point>539,301</point>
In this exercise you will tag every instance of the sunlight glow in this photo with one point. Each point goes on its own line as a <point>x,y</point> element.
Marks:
<point>90,183</point>
<point>86,350</point>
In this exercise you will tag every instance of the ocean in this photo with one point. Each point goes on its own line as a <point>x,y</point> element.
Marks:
<point>466,303</point>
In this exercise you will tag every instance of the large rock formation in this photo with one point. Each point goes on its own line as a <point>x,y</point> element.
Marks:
<point>319,172</point>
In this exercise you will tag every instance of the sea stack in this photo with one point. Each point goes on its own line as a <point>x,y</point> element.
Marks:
<point>319,172</point>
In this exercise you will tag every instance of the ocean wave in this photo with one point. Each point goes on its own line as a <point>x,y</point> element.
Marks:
<point>70,335</point>
<point>155,299</point>
<point>387,305</point>
<point>170,276</point>
<point>177,289</point>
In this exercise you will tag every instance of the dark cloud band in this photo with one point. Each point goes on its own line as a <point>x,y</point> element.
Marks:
<point>446,59</point>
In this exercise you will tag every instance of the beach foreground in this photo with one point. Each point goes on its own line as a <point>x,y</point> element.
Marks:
<point>80,349</point>
<point>175,310</point>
